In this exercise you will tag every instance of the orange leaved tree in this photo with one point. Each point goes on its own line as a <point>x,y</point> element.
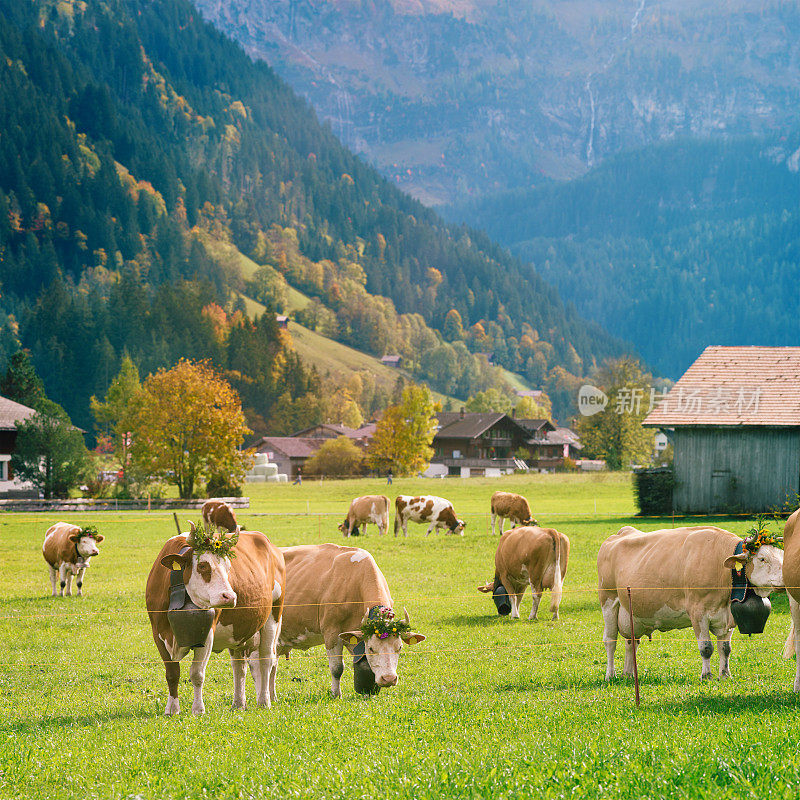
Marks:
<point>189,425</point>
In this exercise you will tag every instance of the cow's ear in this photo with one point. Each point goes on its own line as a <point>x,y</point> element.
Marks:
<point>736,562</point>
<point>98,538</point>
<point>351,639</point>
<point>176,561</point>
<point>73,537</point>
<point>486,588</point>
<point>413,638</point>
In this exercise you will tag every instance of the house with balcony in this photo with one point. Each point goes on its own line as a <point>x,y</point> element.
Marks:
<point>10,414</point>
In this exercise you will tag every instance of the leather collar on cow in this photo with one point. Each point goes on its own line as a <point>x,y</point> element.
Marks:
<point>739,580</point>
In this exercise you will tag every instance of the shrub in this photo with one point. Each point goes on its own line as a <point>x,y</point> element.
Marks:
<point>653,489</point>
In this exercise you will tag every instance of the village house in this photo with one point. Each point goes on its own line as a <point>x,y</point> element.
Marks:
<point>733,420</point>
<point>10,414</point>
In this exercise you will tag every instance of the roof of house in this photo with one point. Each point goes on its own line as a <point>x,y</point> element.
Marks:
<point>469,425</point>
<point>366,431</point>
<point>289,446</point>
<point>528,392</point>
<point>734,386</point>
<point>12,412</point>
<point>564,436</point>
<point>535,425</point>
<point>332,427</point>
<point>391,359</point>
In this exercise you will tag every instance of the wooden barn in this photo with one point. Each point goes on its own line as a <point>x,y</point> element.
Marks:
<point>733,420</point>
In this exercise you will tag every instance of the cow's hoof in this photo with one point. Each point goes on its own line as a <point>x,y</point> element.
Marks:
<point>198,709</point>
<point>706,676</point>
<point>725,675</point>
<point>173,707</point>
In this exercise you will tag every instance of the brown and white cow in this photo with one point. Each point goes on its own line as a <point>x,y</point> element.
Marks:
<point>791,578</point>
<point>67,550</point>
<point>220,515</point>
<point>529,556</point>
<point>363,510</point>
<point>514,507</point>
<point>427,508</point>
<point>247,593</point>
<point>679,577</point>
<point>329,590</point>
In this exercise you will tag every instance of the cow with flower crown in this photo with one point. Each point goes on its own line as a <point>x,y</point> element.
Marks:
<point>337,597</point>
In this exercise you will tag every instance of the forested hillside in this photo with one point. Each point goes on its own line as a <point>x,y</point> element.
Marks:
<point>132,134</point>
<point>672,247</point>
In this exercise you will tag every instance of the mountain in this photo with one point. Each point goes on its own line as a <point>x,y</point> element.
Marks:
<point>133,136</point>
<point>465,98</point>
<point>672,247</point>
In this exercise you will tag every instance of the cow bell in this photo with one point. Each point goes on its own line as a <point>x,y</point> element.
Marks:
<point>501,598</point>
<point>190,624</point>
<point>363,676</point>
<point>750,615</point>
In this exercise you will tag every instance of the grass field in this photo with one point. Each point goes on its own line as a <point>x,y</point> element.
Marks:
<point>485,707</point>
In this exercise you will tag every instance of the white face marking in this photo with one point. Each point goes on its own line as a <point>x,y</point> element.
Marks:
<point>87,547</point>
<point>277,591</point>
<point>767,571</point>
<point>383,656</point>
<point>216,592</point>
<point>359,555</point>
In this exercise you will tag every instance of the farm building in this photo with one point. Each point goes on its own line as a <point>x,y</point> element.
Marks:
<point>734,423</point>
<point>10,414</point>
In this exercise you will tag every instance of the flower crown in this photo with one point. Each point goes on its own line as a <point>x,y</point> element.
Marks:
<point>88,530</point>
<point>212,540</point>
<point>380,621</point>
<point>760,535</point>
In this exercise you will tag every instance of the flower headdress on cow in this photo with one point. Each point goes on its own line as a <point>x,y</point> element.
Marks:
<point>210,539</point>
<point>381,621</point>
<point>88,530</point>
<point>760,535</point>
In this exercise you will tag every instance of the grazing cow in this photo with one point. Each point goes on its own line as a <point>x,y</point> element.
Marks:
<point>427,508</point>
<point>528,556</point>
<point>515,507</point>
<point>678,578</point>
<point>247,594</point>
<point>791,578</point>
<point>219,514</point>
<point>330,591</point>
<point>67,550</point>
<point>363,510</point>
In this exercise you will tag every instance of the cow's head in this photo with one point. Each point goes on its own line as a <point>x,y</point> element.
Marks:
<point>459,527</point>
<point>344,527</point>
<point>764,568</point>
<point>531,523</point>
<point>499,595</point>
<point>381,655</point>
<point>86,543</point>
<point>208,583</point>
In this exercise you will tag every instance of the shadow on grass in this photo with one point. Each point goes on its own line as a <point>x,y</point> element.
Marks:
<point>712,705</point>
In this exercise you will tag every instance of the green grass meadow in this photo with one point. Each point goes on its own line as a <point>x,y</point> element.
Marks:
<point>485,707</point>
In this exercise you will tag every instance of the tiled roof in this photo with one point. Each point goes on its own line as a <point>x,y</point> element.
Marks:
<point>11,412</point>
<point>289,446</point>
<point>734,386</point>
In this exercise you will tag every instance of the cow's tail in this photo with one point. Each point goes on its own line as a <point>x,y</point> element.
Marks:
<point>788,648</point>
<point>396,518</point>
<point>558,583</point>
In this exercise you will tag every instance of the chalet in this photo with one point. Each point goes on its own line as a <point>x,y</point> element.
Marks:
<point>325,430</point>
<point>283,321</point>
<point>734,423</point>
<point>10,414</point>
<point>289,452</point>
<point>392,361</point>
<point>469,444</point>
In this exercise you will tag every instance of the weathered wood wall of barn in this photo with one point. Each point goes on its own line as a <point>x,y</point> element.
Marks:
<point>735,469</point>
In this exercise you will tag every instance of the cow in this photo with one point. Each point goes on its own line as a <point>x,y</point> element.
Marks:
<point>678,577</point>
<point>528,556</point>
<point>219,514</point>
<point>791,579</point>
<point>246,593</point>
<point>363,510</point>
<point>330,592</point>
<point>427,508</point>
<point>515,507</point>
<point>67,550</point>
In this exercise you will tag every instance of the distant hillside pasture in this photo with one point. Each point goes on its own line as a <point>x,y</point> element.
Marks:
<point>485,707</point>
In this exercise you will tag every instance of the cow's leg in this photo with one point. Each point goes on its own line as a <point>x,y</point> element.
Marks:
<point>62,577</point>
<point>516,599</point>
<point>79,580</point>
<point>724,650</point>
<point>627,628</point>
<point>172,668</point>
<point>336,664</point>
<point>609,605</point>
<point>266,662</point>
<point>494,517</point>
<point>53,579</point>
<point>704,645</point>
<point>430,528</point>
<point>197,673</point>
<point>502,523</point>
<point>239,667</point>
<point>537,598</point>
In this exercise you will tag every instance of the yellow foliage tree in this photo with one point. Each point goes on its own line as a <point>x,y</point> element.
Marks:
<point>189,425</point>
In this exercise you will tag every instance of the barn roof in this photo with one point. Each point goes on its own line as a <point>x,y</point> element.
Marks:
<point>470,425</point>
<point>289,446</point>
<point>12,412</point>
<point>734,386</point>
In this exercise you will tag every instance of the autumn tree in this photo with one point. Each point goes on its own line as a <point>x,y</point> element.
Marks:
<point>339,457</point>
<point>538,407</point>
<point>490,400</point>
<point>49,451</point>
<point>402,441</point>
<point>189,425</point>
<point>616,433</point>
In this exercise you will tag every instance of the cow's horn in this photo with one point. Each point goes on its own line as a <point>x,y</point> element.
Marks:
<point>405,613</point>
